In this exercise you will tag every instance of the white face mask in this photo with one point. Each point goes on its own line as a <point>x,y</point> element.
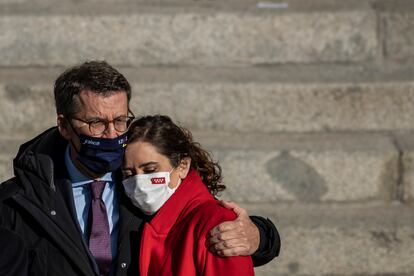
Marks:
<point>149,191</point>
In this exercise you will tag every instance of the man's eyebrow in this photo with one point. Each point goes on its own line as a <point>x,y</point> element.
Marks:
<point>103,119</point>
<point>94,118</point>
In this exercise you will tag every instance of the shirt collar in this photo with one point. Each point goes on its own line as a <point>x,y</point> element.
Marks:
<point>76,177</point>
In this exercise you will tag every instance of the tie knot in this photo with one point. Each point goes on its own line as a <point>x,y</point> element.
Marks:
<point>97,188</point>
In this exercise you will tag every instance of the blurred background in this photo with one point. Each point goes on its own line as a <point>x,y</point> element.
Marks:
<point>308,105</point>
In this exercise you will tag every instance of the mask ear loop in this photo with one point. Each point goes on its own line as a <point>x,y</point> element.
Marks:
<point>178,184</point>
<point>74,147</point>
<point>74,131</point>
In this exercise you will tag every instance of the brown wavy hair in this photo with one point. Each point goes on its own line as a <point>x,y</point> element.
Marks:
<point>176,142</point>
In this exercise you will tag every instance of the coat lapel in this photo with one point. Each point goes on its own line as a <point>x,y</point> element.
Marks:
<point>57,224</point>
<point>130,227</point>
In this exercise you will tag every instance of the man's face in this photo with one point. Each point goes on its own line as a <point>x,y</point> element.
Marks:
<point>93,107</point>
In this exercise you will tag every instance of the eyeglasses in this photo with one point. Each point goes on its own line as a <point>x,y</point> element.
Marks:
<point>99,126</point>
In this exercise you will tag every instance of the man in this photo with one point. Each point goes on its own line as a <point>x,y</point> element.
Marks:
<point>13,254</point>
<point>66,201</point>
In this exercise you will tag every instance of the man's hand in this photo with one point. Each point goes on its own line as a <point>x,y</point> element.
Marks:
<point>234,238</point>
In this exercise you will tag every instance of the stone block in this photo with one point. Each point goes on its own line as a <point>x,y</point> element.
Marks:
<point>374,240</point>
<point>187,37</point>
<point>26,109</point>
<point>405,143</point>
<point>270,106</point>
<point>320,168</point>
<point>398,35</point>
<point>233,103</point>
<point>408,184</point>
<point>12,1</point>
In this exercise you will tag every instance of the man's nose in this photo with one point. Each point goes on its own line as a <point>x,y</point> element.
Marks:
<point>110,131</point>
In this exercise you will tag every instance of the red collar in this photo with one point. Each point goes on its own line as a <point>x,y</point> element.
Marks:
<point>189,194</point>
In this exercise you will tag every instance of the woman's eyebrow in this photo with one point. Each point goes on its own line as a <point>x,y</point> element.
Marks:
<point>147,164</point>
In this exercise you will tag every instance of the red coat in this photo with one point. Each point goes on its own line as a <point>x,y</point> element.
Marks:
<point>174,242</point>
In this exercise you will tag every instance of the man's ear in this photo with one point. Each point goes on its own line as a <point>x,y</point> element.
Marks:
<point>184,167</point>
<point>63,126</point>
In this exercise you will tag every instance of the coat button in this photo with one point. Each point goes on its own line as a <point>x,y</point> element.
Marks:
<point>53,213</point>
<point>123,265</point>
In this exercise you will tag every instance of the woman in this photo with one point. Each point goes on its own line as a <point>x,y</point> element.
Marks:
<point>170,178</point>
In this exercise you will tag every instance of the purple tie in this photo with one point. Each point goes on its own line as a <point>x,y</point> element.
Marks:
<point>99,240</point>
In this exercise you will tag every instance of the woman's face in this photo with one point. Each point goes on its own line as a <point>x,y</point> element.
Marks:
<point>143,158</point>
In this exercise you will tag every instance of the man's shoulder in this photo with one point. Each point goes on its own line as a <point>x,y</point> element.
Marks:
<point>9,188</point>
<point>47,142</point>
<point>43,155</point>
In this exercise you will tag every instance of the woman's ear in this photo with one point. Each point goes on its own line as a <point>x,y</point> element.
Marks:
<point>184,167</point>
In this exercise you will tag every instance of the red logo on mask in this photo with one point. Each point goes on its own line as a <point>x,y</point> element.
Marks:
<point>158,180</point>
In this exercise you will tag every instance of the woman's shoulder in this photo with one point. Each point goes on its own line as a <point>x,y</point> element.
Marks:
<point>209,214</point>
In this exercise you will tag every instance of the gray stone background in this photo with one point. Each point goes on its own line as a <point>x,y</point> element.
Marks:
<point>308,105</point>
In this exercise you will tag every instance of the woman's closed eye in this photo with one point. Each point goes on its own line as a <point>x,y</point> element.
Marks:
<point>149,170</point>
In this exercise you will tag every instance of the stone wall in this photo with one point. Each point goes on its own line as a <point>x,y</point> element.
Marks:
<point>308,105</point>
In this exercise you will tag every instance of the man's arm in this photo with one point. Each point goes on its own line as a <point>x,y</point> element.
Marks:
<point>255,236</point>
<point>269,246</point>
